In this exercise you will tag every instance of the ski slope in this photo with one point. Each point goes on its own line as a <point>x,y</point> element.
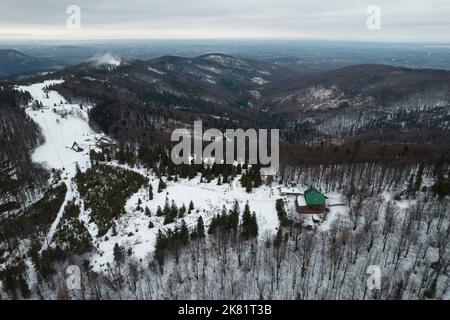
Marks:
<point>62,124</point>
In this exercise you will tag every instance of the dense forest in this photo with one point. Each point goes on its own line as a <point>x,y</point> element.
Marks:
<point>20,179</point>
<point>383,160</point>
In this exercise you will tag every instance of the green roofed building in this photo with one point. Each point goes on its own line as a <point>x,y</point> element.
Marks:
<point>315,202</point>
<point>313,197</point>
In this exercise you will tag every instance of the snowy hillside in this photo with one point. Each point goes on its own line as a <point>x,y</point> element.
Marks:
<point>64,124</point>
<point>141,227</point>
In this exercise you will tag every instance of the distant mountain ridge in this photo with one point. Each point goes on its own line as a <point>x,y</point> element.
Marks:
<point>371,102</point>
<point>13,62</point>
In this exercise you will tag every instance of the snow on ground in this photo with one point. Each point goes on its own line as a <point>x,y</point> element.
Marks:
<point>60,131</point>
<point>260,81</point>
<point>63,124</point>
<point>208,199</point>
<point>337,207</point>
<point>255,94</point>
<point>218,58</point>
<point>156,71</point>
<point>211,69</point>
<point>210,79</point>
<point>320,93</point>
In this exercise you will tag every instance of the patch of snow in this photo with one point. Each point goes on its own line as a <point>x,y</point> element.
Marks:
<point>255,94</point>
<point>211,69</point>
<point>260,81</point>
<point>156,71</point>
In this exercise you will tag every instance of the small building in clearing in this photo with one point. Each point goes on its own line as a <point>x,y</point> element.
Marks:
<point>76,147</point>
<point>315,202</point>
<point>102,141</point>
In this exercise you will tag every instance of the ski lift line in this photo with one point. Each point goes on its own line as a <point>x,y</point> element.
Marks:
<point>55,224</point>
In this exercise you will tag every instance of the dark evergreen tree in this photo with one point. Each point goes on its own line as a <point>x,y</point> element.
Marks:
<point>248,185</point>
<point>183,233</point>
<point>253,226</point>
<point>278,238</point>
<point>150,192</point>
<point>160,247</point>
<point>200,228</point>
<point>246,221</point>
<point>119,253</point>
<point>182,211</point>
<point>161,185</point>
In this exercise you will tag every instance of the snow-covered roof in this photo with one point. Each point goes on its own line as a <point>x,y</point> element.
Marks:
<point>289,190</point>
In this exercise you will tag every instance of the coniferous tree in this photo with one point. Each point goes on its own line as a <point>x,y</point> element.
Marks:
<point>234,217</point>
<point>160,246</point>
<point>441,187</point>
<point>170,213</point>
<point>243,180</point>
<point>248,185</point>
<point>166,210</point>
<point>161,185</point>
<point>253,226</point>
<point>114,230</point>
<point>173,210</point>
<point>225,179</point>
<point>182,211</point>
<point>278,238</point>
<point>257,180</point>
<point>246,221</point>
<point>183,233</point>
<point>119,253</point>
<point>200,229</point>
<point>150,192</point>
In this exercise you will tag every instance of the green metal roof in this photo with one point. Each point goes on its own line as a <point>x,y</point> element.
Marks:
<point>314,198</point>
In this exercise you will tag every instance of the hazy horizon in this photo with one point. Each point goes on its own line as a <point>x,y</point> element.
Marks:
<point>401,21</point>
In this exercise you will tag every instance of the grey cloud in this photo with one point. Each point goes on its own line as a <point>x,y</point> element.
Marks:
<point>342,20</point>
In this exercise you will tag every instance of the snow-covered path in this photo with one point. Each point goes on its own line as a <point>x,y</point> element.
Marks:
<point>54,226</point>
<point>62,124</point>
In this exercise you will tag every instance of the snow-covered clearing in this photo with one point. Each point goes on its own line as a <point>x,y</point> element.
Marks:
<point>62,124</point>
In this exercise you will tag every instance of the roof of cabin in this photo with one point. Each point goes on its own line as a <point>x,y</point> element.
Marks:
<point>314,197</point>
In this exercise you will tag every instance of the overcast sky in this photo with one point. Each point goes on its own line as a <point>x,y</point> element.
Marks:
<point>401,20</point>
